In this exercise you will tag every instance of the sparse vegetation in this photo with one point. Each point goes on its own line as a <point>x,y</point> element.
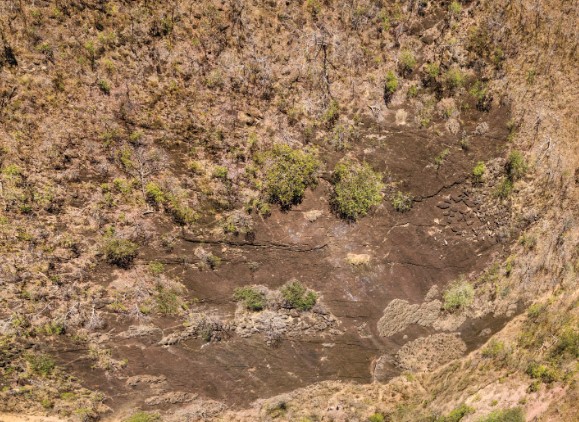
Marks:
<point>507,415</point>
<point>390,86</point>
<point>143,417</point>
<point>357,188</point>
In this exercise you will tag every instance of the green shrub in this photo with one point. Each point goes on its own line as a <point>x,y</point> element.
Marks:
<point>390,87</point>
<point>297,296</point>
<point>156,268</point>
<point>568,342</point>
<point>401,201</point>
<point>455,8</point>
<point>154,193</point>
<point>542,372</point>
<point>454,78</point>
<point>407,62</point>
<point>41,364</point>
<point>458,413</point>
<point>104,86</point>
<point>516,166</point>
<point>182,213</point>
<point>220,172</point>
<point>331,114</point>
<point>432,70</point>
<point>252,299</point>
<point>458,295</point>
<point>495,349</point>
<point>357,188</point>
<point>143,417</point>
<point>168,301</point>
<point>506,415</point>
<point>120,252</point>
<point>505,188</point>
<point>377,417</point>
<point>289,172</point>
<point>439,159</point>
<point>478,172</point>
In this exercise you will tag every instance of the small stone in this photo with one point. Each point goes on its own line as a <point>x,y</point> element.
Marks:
<point>443,205</point>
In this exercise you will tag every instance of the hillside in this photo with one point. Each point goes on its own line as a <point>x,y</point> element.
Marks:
<point>360,210</point>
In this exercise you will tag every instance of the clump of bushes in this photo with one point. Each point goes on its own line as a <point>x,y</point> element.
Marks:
<point>401,201</point>
<point>454,79</point>
<point>120,252</point>
<point>297,296</point>
<point>390,87</point>
<point>251,298</point>
<point>357,188</point>
<point>168,301</point>
<point>289,172</point>
<point>458,295</point>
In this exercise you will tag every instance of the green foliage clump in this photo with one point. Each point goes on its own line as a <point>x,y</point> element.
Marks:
<point>479,91</point>
<point>154,193</point>
<point>505,415</point>
<point>568,342</point>
<point>220,172</point>
<point>331,114</point>
<point>401,201</point>
<point>182,213</point>
<point>439,159</point>
<point>252,299</point>
<point>455,8</point>
<point>104,86</point>
<point>143,417</point>
<point>168,301</point>
<point>516,166</point>
<point>377,417</point>
<point>505,188</point>
<point>542,372</point>
<point>289,172</point>
<point>432,70</point>
<point>457,414</point>
<point>41,364</point>
<point>458,295</point>
<point>156,268</point>
<point>357,188</point>
<point>297,296</point>
<point>478,171</point>
<point>407,62</point>
<point>391,86</point>
<point>454,78</point>
<point>495,349</point>
<point>120,252</point>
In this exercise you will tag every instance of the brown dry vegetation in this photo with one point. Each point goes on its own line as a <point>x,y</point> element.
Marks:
<point>156,158</point>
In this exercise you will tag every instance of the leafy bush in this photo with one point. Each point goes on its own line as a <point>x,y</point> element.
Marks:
<point>495,349</point>
<point>120,252</point>
<point>143,417</point>
<point>377,417</point>
<point>104,86</point>
<point>505,415</point>
<point>478,172</point>
<point>298,297</point>
<point>505,188</point>
<point>407,62</point>
<point>168,301</point>
<point>154,193</point>
<point>390,87</point>
<point>356,189</point>
<point>401,201</point>
<point>454,78</point>
<point>516,166</point>
<point>455,8</point>
<point>543,372</point>
<point>289,172</point>
<point>458,413</point>
<point>252,299</point>
<point>41,364</point>
<point>458,295</point>
<point>331,114</point>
